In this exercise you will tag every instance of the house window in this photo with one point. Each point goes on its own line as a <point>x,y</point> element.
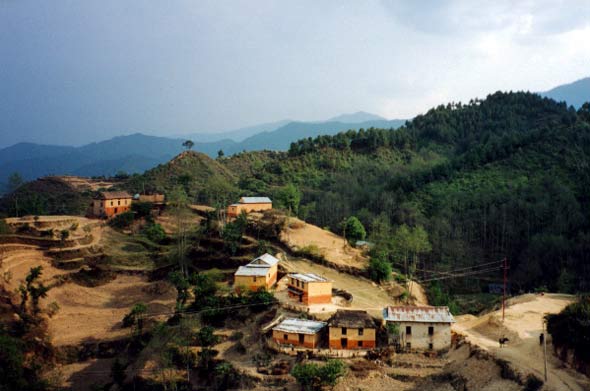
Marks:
<point>430,330</point>
<point>430,346</point>
<point>344,331</point>
<point>361,331</point>
<point>112,203</point>
<point>285,337</point>
<point>119,202</point>
<point>408,330</point>
<point>254,278</point>
<point>360,344</point>
<point>408,345</point>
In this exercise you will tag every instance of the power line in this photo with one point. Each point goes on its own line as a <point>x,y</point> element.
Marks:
<point>465,274</point>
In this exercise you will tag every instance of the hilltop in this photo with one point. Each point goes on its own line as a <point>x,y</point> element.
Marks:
<point>575,94</point>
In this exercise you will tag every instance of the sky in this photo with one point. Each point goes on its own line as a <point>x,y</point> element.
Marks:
<point>73,72</point>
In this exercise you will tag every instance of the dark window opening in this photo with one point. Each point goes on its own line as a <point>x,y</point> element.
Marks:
<point>361,331</point>
<point>408,330</point>
<point>430,346</point>
<point>430,330</point>
<point>285,337</point>
<point>301,338</point>
<point>360,344</point>
<point>344,331</point>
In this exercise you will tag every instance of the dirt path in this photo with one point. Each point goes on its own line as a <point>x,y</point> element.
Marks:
<point>523,324</point>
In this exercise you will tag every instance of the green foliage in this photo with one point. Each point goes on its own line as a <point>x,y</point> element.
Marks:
<point>233,232</point>
<point>354,230</point>
<point>135,317</point>
<point>118,372</point>
<point>182,285</point>
<point>142,209</point>
<point>206,337</point>
<point>4,230</point>
<point>204,286</point>
<point>438,297</point>
<point>31,291</point>
<point>188,144</point>
<point>570,329</point>
<point>288,197</point>
<point>122,221</point>
<point>64,234</point>
<point>15,180</point>
<point>379,269</point>
<point>16,372</point>
<point>312,377</point>
<point>154,232</point>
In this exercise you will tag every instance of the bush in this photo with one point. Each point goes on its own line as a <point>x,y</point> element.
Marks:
<point>313,377</point>
<point>122,221</point>
<point>142,209</point>
<point>354,230</point>
<point>532,383</point>
<point>154,232</point>
<point>4,228</point>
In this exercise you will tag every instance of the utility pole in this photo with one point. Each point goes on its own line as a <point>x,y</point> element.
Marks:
<point>504,294</point>
<point>545,346</point>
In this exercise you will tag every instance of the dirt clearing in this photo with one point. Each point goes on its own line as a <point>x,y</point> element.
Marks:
<point>523,325</point>
<point>95,313</point>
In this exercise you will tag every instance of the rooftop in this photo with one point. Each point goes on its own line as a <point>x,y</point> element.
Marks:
<point>251,271</point>
<point>265,260</point>
<point>308,277</point>
<point>112,195</point>
<point>422,314</point>
<point>355,319</point>
<point>255,200</point>
<point>300,326</point>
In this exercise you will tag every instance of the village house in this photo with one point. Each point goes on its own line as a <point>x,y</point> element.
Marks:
<point>111,203</point>
<point>298,332</point>
<point>421,328</point>
<point>352,329</point>
<point>309,288</point>
<point>249,204</point>
<point>260,273</point>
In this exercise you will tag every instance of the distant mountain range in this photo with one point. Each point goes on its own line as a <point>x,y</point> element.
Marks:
<point>575,94</point>
<point>138,152</point>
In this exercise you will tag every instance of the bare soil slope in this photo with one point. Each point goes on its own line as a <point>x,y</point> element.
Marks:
<point>523,325</point>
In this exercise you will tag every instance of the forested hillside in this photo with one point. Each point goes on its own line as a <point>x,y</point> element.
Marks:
<point>506,176</point>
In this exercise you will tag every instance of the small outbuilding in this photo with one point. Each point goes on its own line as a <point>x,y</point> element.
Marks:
<point>260,273</point>
<point>309,288</point>
<point>298,332</point>
<point>352,329</point>
<point>249,204</point>
<point>422,328</point>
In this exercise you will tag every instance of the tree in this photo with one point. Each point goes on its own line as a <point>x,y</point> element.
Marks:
<point>188,144</point>
<point>64,234</point>
<point>354,230</point>
<point>289,197</point>
<point>34,290</point>
<point>379,269</point>
<point>220,154</point>
<point>135,317</point>
<point>154,232</point>
<point>15,180</point>
<point>178,200</point>
<point>182,285</point>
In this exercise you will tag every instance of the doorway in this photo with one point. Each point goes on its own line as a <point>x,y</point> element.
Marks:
<point>344,343</point>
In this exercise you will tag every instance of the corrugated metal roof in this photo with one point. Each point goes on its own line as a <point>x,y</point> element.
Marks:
<point>255,200</point>
<point>264,260</point>
<point>251,271</point>
<point>300,326</point>
<point>422,314</point>
<point>308,277</point>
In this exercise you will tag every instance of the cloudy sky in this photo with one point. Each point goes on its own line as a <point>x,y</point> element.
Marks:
<point>78,71</point>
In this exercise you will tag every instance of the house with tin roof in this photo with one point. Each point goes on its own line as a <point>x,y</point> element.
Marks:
<point>247,205</point>
<point>420,328</point>
<point>260,273</point>
<point>352,329</point>
<point>309,288</point>
<point>298,332</point>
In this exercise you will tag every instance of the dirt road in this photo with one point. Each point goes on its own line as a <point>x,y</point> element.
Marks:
<point>523,325</point>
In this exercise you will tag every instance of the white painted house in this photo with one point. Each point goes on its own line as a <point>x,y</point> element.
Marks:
<point>421,328</point>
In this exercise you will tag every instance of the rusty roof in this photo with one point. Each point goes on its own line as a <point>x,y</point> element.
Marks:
<point>354,319</point>
<point>112,195</point>
<point>421,314</point>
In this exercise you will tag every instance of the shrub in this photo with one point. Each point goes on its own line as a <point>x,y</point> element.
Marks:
<point>154,232</point>
<point>313,377</point>
<point>142,209</point>
<point>532,383</point>
<point>354,230</point>
<point>4,228</point>
<point>122,221</point>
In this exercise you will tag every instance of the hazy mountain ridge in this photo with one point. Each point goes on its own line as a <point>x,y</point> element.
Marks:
<point>575,94</point>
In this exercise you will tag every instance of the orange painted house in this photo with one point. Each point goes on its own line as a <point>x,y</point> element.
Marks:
<point>309,288</point>
<point>298,332</point>
<point>260,273</point>
<point>352,329</point>
<point>111,203</point>
<point>249,204</point>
